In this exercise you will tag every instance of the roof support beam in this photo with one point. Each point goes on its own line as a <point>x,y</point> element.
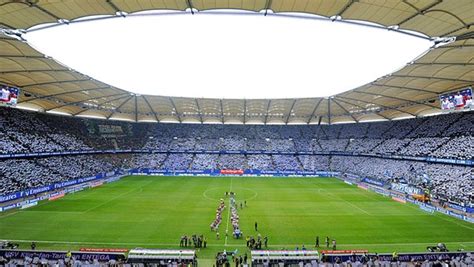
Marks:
<point>289,112</point>
<point>445,63</point>
<point>386,107</point>
<point>404,87</point>
<point>329,110</point>
<point>245,110</point>
<point>100,105</point>
<point>112,4</point>
<point>268,4</point>
<point>136,109</point>
<point>362,107</point>
<point>419,11</point>
<point>7,25</point>
<point>65,93</point>
<point>314,110</point>
<point>430,78</point>
<point>175,109</point>
<point>120,106</point>
<point>190,6</point>
<point>32,71</point>
<point>266,112</point>
<point>346,7</point>
<point>347,111</point>
<point>151,109</point>
<point>54,82</point>
<point>84,100</point>
<point>454,46</point>
<point>21,56</point>
<point>397,98</point>
<point>222,111</point>
<point>49,13</point>
<point>458,29</point>
<point>199,110</point>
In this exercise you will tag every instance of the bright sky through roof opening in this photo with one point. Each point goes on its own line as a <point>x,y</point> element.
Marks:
<point>222,56</point>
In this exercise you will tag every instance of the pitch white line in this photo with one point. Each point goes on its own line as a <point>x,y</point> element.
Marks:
<point>114,198</point>
<point>351,204</point>
<point>442,217</point>
<point>24,210</point>
<point>10,214</point>
<point>228,215</point>
<point>461,243</point>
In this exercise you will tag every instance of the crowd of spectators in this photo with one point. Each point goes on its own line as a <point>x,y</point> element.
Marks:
<point>444,136</point>
<point>20,174</point>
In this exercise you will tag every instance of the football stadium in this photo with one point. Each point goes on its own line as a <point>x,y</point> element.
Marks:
<point>280,172</point>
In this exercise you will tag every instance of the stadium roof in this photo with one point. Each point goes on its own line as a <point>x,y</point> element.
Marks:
<point>412,91</point>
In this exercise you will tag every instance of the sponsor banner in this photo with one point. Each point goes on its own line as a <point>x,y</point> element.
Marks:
<point>11,197</point>
<point>462,208</point>
<point>373,182</point>
<point>248,172</point>
<point>352,176</point>
<point>60,255</point>
<point>56,196</point>
<point>405,188</point>
<point>96,184</point>
<point>402,257</point>
<point>469,219</point>
<point>362,187</point>
<point>451,161</point>
<point>120,250</point>
<point>29,205</point>
<point>331,252</point>
<point>42,189</point>
<point>427,208</point>
<point>455,214</point>
<point>9,207</point>
<point>347,182</point>
<point>398,199</point>
<point>238,172</point>
<point>378,190</point>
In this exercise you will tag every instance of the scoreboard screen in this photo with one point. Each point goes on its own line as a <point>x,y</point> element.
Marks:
<point>459,100</point>
<point>8,95</point>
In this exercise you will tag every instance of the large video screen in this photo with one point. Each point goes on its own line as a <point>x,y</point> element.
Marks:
<point>8,95</point>
<point>459,100</point>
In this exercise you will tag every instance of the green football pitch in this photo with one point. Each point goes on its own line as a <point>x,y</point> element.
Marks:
<point>153,212</point>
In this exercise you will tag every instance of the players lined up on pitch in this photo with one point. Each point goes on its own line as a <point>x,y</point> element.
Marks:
<point>217,221</point>
<point>234,217</point>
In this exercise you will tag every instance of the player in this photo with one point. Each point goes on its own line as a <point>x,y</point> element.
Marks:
<point>445,104</point>
<point>317,242</point>
<point>5,95</point>
<point>469,103</point>
<point>458,101</point>
<point>256,227</point>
